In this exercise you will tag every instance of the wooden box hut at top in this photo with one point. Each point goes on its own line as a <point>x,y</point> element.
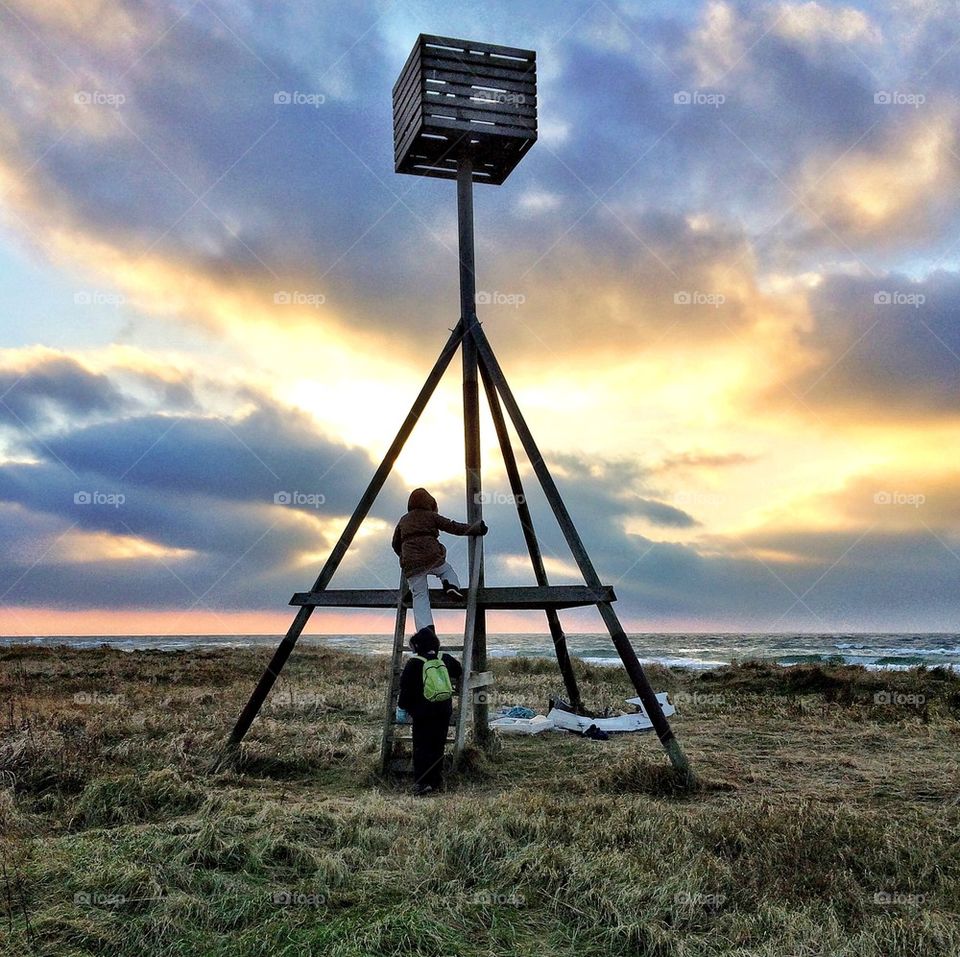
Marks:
<point>457,96</point>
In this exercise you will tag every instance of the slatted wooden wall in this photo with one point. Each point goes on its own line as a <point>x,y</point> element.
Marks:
<point>457,94</point>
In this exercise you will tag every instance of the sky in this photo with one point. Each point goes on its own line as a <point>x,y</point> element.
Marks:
<point>723,285</point>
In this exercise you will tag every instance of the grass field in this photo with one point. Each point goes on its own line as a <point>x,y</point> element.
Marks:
<point>826,820</point>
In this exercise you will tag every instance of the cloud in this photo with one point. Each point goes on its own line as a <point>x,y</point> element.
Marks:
<point>199,194</point>
<point>664,515</point>
<point>210,537</point>
<point>61,385</point>
<point>879,569</point>
<point>889,347</point>
<point>204,501</point>
<point>249,457</point>
<point>720,43</point>
<point>704,460</point>
<point>199,184</point>
<point>535,201</point>
<point>895,193</point>
<point>815,23</point>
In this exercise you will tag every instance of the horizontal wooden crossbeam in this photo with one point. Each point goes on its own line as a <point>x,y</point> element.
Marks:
<point>534,596</point>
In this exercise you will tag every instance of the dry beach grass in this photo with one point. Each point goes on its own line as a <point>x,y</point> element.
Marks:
<point>826,821</point>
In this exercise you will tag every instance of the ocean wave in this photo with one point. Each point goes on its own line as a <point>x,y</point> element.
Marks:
<point>694,664</point>
<point>876,652</point>
<point>876,649</point>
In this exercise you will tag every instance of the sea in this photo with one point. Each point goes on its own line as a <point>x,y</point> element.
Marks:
<point>694,651</point>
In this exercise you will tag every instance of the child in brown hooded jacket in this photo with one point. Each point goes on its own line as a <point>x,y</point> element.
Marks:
<point>416,540</point>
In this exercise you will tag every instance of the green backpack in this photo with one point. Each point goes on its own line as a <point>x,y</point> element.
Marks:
<point>436,679</point>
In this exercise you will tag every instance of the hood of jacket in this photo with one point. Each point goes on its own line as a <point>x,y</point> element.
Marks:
<point>421,498</point>
<point>425,642</point>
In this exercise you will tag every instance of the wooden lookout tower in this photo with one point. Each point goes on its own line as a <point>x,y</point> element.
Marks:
<point>468,111</point>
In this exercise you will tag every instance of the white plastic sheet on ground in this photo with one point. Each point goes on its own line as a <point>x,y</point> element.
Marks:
<point>566,721</point>
<point>532,725</point>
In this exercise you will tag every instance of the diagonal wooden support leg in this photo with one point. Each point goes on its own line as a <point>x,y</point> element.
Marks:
<point>530,537</point>
<point>280,656</point>
<point>620,641</point>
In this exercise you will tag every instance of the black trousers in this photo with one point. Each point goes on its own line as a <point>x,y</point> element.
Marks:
<point>430,726</point>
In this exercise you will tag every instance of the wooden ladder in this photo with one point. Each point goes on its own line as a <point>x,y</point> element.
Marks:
<point>395,731</point>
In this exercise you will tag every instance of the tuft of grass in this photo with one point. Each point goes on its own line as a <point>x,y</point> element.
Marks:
<point>633,773</point>
<point>128,798</point>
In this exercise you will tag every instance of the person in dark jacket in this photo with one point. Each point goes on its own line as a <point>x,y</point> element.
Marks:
<point>431,719</point>
<point>416,540</point>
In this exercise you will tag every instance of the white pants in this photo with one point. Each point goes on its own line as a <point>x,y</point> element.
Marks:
<point>422,615</point>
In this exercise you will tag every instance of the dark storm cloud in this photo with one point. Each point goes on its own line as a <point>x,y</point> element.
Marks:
<point>788,99</point>
<point>244,551</point>
<point>58,385</point>
<point>840,580</point>
<point>246,495</point>
<point>882,581</point>
<point>250,458</point>
<point>781,101</point>
<point>241,555</point>
<point>97,503</point>
<point>890,345</point>
<point>43,389</point>
<point>663,515</point>
<point>291,191</point>
<point>766,580</point>
<point>601,496</point>
<point>195,106</point>
<point>616,490</point>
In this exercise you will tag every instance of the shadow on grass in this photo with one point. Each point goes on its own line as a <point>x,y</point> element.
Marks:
<point>476,767</point>
<point>632,774</point>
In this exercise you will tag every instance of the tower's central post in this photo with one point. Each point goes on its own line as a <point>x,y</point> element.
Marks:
<point>471,420</point>
<point>468,282</point>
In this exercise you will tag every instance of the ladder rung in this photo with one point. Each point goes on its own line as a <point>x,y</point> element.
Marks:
<point>406,724</point>
<point>408,737</point>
